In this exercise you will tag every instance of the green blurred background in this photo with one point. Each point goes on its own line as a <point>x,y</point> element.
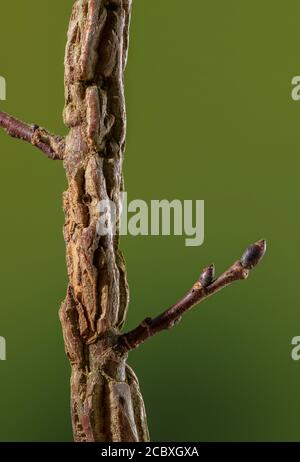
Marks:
<point>210,117</point>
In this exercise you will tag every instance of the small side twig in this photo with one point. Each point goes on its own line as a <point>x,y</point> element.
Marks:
<point>51,145</point>
<point>201,290</point>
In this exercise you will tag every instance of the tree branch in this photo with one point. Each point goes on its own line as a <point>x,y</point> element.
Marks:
<point>201,290</point>
<point>51,145</point>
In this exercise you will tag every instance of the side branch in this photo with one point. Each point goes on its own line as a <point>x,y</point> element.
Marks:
<point>202,289</point>
<point>51,145</point>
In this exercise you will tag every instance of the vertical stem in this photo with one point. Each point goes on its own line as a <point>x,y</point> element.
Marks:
<point>106,402</point>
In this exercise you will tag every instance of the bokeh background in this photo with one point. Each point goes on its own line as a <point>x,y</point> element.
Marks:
<point>210,117</point>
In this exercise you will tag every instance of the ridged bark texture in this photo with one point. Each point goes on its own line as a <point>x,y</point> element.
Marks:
<point>106,402</point>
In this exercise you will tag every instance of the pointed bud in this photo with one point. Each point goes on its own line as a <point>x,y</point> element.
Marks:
<point>254,254</point>
<point>207,276</point>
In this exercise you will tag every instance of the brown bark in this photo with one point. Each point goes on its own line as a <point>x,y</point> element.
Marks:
<point>105,398</point>
<point>51,145</point>
<point>106,403</point>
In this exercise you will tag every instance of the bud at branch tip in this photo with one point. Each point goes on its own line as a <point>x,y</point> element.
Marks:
<point>254,254</point>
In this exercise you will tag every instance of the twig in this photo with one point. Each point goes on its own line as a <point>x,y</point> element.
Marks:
<point>51,145</point>
<point>202,289</point>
